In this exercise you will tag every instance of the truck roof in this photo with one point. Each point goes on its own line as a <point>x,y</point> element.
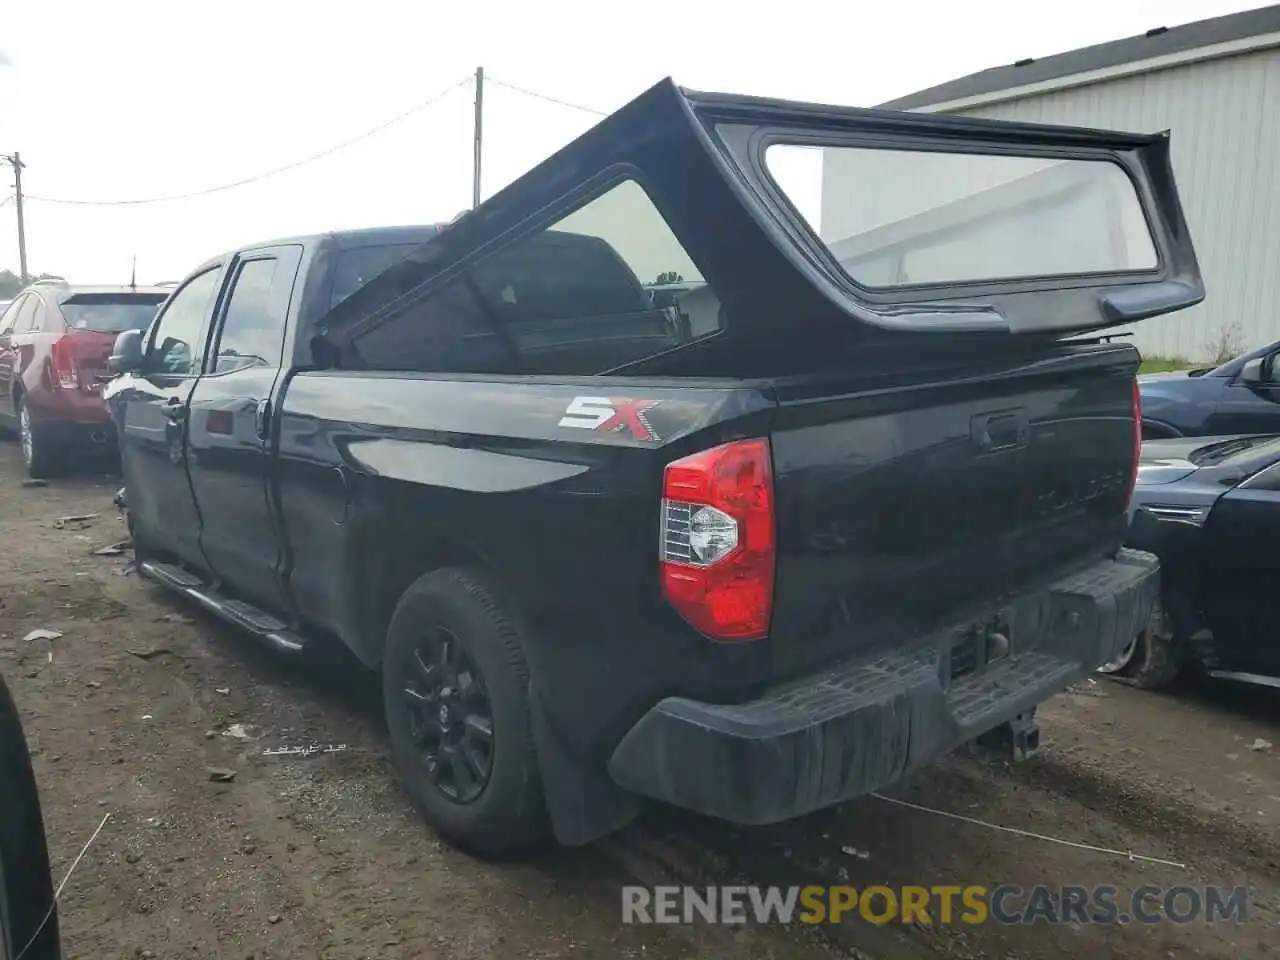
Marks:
<point>343,239</point>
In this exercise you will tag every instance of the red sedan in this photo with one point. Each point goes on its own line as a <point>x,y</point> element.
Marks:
<point>55,338</point>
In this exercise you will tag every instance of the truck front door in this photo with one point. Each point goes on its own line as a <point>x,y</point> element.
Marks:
<point>230,425</point>
<point>153,431</point>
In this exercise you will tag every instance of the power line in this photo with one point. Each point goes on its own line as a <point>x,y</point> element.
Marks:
<point>268,173</point>
<point>7,199</point>
<point>549,99</point>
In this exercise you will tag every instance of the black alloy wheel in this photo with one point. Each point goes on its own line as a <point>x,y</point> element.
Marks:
<point>455,685</point>
<point>450,717</point>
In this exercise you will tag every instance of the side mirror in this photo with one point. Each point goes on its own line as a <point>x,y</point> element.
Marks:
<point>1254,371</point>
<point>126,355</point>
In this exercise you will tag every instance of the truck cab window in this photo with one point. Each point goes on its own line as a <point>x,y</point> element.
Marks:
<point>252,331</point>
<point>606,285</point>
<point>175,345</point>
<point>357,266</point>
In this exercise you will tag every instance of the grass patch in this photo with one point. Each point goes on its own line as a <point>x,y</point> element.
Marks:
<point>1164,364</point>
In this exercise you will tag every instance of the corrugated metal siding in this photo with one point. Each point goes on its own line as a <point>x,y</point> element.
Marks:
<point>1225,121</point>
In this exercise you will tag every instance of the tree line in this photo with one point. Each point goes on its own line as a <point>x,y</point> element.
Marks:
<point>11,283</point>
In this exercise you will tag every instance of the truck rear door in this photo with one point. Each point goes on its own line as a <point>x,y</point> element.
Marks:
<point>230,420</point>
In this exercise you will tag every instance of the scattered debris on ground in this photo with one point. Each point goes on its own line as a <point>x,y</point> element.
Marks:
<point>79,521</point>
<point>113,549</point>
<point>239,731</point>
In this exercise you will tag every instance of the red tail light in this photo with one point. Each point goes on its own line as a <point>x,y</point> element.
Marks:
<point>1137,441</point>
<point>717,539</point>
<point>64,363</point>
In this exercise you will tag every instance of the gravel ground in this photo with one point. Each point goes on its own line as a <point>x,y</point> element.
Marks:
<point>295,856</point>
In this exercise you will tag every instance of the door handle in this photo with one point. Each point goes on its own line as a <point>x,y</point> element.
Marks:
<point>261,418</point>
<point>1001,430</point>
<point>175,409</point>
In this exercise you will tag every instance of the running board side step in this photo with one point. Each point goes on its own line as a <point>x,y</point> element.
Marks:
<point>1257,679</point>
<point>264,626</point>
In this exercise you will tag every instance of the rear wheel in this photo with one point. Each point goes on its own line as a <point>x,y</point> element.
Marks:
<point>455,686</point>
<point>1150,660</point>
<point>40,455</point>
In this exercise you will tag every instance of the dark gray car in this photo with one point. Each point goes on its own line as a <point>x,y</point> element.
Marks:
<point>1209,507</point>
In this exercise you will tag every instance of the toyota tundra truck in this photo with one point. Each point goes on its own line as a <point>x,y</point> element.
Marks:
<point>744,455</point>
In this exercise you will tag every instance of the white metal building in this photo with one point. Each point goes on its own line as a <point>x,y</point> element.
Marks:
<point>1215,85</point>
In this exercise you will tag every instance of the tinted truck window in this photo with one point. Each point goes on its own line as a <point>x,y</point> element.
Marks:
<point>605,286</point>
<point>356,267</point>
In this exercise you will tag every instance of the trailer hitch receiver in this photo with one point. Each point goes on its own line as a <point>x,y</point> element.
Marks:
<point>1017,739</point>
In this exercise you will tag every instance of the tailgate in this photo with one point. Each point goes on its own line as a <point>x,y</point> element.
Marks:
<point>901,509</point>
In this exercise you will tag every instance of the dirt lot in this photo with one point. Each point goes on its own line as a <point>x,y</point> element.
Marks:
<point>296,857</point>
<point>320,856</point>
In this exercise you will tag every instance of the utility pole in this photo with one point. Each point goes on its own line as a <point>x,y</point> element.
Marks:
<point>15,161</point>
<point>479,126</point>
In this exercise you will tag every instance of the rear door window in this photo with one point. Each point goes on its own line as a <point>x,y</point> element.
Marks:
<point>604,286</point>
<point>110,312</point>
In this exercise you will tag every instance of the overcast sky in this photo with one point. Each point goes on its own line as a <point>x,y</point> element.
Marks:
<point>133,98</point>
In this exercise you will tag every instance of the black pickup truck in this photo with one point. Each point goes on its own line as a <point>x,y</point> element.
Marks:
<point>641,480</point>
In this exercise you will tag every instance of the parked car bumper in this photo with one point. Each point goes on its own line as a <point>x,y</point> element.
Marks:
<point>76,406</point>
<point>74,420</point>
<point>81,436</point>
<point>860,725</point>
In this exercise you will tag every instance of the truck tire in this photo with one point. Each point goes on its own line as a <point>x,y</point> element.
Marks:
<point>1152,661</point>
<point>456,693</point>
<point>28,912</point>
<point>40,455</point>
